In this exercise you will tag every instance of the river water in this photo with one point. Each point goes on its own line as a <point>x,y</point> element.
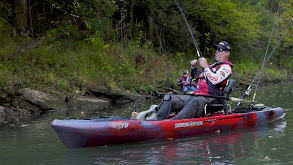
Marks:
<point>32,140</point>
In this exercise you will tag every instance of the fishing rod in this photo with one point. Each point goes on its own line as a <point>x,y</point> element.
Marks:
<point>190,31</point>
<point>265,56</point>
<point>258,80</point>
<point>247,92</point>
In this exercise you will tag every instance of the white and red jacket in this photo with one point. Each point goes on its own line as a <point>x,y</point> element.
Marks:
<point>213,78</point>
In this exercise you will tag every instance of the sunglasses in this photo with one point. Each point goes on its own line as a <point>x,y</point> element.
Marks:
<point>220,49</point>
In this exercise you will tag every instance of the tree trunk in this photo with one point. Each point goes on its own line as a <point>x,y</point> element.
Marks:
<point>131,9</point>
<point>20,16</point>
<point>151,27</point>
<point>289,50</point>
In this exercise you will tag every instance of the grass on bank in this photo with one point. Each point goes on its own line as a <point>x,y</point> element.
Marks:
<point>68,65</point>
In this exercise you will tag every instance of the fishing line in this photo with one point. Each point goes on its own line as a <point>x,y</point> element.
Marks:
<point>264,63</point>
<point>275,48</point>
<point>254,95</point>
<point>190,31</point>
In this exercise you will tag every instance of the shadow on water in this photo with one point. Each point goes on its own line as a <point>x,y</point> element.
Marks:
<point>231,147</point>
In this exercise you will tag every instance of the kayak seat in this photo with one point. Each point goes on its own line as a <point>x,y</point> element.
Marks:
<point>212,107</point>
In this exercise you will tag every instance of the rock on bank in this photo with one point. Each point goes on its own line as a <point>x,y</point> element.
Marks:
<point>26,101</point>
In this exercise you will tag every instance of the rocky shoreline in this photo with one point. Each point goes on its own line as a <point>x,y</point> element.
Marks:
<point>27,102</point>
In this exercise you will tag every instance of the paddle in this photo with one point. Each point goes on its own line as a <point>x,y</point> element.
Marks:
<point>239,100</point>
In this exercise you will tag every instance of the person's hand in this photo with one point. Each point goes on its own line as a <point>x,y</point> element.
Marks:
<point>183,82</point>
<point>203,62</point>
<point>187,83</point>
<point>194,63</point>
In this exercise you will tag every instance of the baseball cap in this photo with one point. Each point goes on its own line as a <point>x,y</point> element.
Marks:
<point>224,45</point>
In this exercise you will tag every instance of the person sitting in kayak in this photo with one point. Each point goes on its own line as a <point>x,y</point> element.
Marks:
<point>186,82</point>
<point>210,81</point>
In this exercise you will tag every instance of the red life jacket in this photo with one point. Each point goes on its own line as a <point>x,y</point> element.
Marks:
<point>205,87</point>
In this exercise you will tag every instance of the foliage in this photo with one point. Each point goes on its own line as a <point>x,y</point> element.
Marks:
<point>138,44</point>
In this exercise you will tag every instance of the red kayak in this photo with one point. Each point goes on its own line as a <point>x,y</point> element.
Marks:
<point>99,131</point>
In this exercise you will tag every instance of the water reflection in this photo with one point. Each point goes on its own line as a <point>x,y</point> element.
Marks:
<point>225,148</point>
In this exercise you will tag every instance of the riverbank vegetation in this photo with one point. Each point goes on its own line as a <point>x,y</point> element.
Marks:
<point>137,45</point>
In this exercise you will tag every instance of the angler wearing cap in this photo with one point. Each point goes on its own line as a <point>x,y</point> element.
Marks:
<point>210,81</point>
<point>186,82</point>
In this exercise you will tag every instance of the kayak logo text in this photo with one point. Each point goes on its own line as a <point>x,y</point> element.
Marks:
<point>119,125</point>
<point>188,124</point>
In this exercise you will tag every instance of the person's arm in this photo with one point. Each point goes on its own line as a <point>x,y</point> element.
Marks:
<point>219,75</point>
<point>191,82</point>
<point>194,72</point>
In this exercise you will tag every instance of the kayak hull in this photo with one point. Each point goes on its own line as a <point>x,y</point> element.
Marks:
<point>88,133</point>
